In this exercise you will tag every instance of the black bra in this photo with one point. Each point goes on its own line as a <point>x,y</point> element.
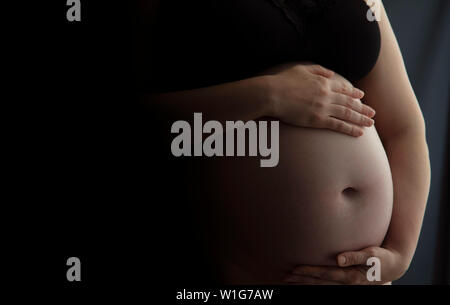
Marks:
<point>206,42</point>
<point>297,11</point>
<point>337,33</point>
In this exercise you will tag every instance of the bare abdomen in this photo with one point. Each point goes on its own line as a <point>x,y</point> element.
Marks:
<point>329,193</point>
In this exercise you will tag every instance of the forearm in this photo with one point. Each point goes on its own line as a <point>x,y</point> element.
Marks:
<point>410,167</point>
<point>240,100</point>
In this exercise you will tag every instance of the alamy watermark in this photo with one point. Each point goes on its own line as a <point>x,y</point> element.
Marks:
<point>73,274</point>
<point>74,11</point>
<point>374,272</point>
<point>234,131</point>
<point>374,11</point>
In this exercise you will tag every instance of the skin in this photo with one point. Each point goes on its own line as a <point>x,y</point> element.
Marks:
<point>401,128</point>
<point>266,221</point>
<point>296,93</point>
<point>302,94</point>
<point>330,102</point>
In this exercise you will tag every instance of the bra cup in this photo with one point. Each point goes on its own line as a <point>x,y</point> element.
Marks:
<point>336,34</point>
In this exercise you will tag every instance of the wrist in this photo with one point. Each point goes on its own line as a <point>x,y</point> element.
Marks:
<point>402,259</point>
<point>268,98</point>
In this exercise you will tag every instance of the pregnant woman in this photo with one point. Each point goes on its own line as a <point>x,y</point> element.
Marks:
<point>349,185</point>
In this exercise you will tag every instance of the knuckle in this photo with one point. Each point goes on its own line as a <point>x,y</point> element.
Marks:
<point>331,124</point>
<point>340,125</point>
<point>322,91</point>
<point>316,66</point>
<point>319,104</point>
<point>310,102</point>
<point>349,102</point>
<point>322,80</point>
<point>315,118</point>
<point>361,258</point>
<point>347,113</point>
<point>372,252</point>
<point>362,119</point>
<point>366,108</point>
<point>351,259</point>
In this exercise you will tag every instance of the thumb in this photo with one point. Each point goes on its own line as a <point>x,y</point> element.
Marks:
<point>353,258</point>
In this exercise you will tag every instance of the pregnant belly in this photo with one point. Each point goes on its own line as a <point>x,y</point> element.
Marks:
<point>329,193</point>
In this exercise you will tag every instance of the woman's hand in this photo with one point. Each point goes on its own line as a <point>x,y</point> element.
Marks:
<point>352,269</point>
<point>310,95</point>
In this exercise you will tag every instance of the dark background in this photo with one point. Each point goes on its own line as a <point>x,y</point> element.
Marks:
<point>92,184</point>
<point>422,28</point>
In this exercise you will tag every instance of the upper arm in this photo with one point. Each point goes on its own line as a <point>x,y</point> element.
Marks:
<point>388,89</point>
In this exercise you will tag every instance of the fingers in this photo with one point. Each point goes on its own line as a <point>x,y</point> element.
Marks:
<point>353,103</point>
<point>347,114</point>
<point>345,88</point>
<point>319,70</point>
<point>343,127</point>
<point>338,85</point>
<point>355,257</point>
<point>294,279</point>
<point>332,274</point>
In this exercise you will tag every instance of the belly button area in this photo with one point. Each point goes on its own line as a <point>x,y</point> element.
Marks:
<point>350,191</point>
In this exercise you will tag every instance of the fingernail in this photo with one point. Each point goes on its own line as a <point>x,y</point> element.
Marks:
<point>361,92</point>
<point>341,260</point>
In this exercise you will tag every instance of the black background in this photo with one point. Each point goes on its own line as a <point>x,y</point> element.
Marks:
<point>76,158</point>
<point>93,164</point>
<point>92,184</point>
